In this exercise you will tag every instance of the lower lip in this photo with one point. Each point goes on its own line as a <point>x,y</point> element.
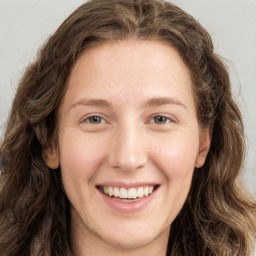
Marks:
<point>128,207</point>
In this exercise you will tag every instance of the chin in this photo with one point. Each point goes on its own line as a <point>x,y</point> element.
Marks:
<point>131,236</point>
<point>127,243</point>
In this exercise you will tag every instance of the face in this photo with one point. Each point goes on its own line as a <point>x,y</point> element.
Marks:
<point>129,140</point>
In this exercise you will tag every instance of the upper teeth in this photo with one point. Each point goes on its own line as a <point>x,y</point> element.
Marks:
<point>128,193</point>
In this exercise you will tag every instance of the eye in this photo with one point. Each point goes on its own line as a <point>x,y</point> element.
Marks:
<point>161,120</point>
<point>94,120</point>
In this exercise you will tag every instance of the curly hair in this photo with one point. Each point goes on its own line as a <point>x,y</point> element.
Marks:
<point>218,217</point>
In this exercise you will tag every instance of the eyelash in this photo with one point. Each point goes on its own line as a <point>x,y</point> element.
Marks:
<point>154,118</point>
<point>163,117</point>
<point>87,119</point>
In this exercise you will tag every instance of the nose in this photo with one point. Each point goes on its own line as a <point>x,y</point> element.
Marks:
<point>127,152</point>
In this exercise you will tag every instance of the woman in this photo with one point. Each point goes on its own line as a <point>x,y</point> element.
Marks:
<point>124,139</point>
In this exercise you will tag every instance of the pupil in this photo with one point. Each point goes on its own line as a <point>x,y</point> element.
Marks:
<point>160,119</point>
<point>95,119</point>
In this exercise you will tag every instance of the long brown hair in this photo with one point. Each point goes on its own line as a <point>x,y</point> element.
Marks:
<point>218,217</point>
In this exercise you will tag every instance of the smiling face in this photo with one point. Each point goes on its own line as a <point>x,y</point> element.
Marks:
<point>129,140</point>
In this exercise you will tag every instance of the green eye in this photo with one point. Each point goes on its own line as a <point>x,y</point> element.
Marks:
<point>94,120</point>
<point>161,120</point>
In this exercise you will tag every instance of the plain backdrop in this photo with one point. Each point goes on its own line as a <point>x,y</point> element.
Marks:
<point>26,24</point>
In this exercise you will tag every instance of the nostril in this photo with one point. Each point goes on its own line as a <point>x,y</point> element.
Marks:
<point>128,165</point>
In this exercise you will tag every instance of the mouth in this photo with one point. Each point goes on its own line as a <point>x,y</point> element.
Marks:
<point>128,194</point>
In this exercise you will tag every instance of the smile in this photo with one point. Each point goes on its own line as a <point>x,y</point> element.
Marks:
<point>131,193</point>
<point>127,198</point>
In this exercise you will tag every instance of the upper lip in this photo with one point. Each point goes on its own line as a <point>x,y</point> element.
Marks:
<point>126,185</point>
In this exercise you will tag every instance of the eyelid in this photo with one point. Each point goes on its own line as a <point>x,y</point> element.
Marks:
<point>85,118</point>
<point>171,118</point>
<point>102,116</point>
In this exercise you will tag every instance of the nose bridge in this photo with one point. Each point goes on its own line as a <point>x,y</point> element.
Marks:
<point>128,148</point>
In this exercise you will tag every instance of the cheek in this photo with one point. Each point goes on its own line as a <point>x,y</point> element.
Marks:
<point>80,157</point>
<point>176,157</point>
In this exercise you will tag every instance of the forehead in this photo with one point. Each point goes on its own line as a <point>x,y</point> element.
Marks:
<point>125,68</point>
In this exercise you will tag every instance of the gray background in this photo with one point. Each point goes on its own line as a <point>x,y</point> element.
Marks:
<point>26,24</point>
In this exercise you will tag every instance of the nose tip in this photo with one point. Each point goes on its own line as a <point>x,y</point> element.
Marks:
<point>128,162</point>
<point>128,152</point>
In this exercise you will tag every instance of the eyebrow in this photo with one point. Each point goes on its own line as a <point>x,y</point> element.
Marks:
<point>158,101</point>
<point>153,102</point>
<point>92,102</point>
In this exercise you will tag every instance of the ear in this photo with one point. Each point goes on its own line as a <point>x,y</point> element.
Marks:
<point>204,146</point>
<point>51,157</point>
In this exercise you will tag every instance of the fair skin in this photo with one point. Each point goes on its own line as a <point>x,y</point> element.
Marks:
<point>127,123</point>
